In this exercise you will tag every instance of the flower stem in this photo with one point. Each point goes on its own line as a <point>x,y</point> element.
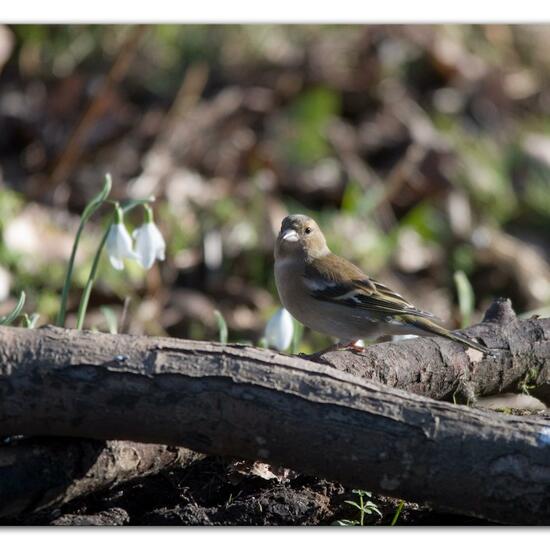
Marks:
<point>83,306</point>
<point>90,209</point>
<point>148,216</point>
<point>119,216</point>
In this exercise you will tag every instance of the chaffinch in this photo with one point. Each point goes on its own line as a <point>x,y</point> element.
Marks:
<point>331,295</point>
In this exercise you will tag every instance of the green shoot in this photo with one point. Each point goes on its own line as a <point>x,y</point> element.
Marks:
<point>296,337</point>
<point>12,316</point>
<point>397,513</point>
<point>465,298</point>
<point>110,318</point>
<point>365,507</point>
<point>222,327</point>
<point>526,384</point>
<point>29,321</point>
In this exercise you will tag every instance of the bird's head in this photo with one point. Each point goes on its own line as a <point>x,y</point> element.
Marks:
<point>300,236</point>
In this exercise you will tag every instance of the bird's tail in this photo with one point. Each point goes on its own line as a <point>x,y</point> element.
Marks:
<point>428,326</point>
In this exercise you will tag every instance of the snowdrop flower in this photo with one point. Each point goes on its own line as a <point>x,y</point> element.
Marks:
<point>279,330</point>
<point>150,245</point>
<point>119,242</point>
<point>400,337</point>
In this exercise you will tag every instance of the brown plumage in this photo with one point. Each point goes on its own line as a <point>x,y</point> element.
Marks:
<point>331,295</point>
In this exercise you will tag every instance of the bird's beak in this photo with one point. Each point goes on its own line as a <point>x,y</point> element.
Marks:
<point>290,235</point>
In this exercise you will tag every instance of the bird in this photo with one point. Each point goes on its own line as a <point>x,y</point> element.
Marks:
<point>331,295</point>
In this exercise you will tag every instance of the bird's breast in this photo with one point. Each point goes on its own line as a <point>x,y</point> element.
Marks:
<point>337,321</point>
<point>288,279</point>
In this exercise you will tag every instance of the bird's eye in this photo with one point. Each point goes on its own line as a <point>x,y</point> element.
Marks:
<point>307,230</point>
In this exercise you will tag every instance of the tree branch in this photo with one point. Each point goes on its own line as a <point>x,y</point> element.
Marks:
<point>438,368</point>
<point>257,404</point>
<point>43,473</point>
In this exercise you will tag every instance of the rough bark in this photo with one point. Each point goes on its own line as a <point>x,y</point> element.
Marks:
<point>257,404</point>
<point>440,369</point>
<point>44,473</point>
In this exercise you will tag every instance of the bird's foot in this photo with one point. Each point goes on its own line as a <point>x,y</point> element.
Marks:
<point>354,345</point>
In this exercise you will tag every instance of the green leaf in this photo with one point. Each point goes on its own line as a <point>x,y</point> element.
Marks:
<point>296,337</point>
<point>371,508</point>
<point>90,209</point>
<point>222,327</point>
<point>12,316</point>
<point>352,503</point>
<point>110,317</point>
<point>397,513</point>
<point>465,298</point>
<point>99,198</point>
<point>362,493</point>
<point>30,320</point>
<point>346,523</point>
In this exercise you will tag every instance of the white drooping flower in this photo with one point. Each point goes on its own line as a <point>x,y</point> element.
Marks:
<point>279,330</point>
<point>399,337</point>
<point>119,242</point>
<point>150,245</point>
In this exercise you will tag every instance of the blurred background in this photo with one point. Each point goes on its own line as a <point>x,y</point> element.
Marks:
<point>421,150</point>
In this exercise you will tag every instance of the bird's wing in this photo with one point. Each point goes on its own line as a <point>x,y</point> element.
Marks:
<point>340,282</point>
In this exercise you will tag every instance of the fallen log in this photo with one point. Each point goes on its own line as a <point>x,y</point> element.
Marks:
<point>246,402</point>
<point>440,369</point>
<point>39,474</point>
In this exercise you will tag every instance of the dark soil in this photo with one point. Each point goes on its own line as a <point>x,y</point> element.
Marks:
<point>210,492</point>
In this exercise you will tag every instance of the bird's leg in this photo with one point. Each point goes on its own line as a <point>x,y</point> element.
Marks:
<point>353,345</point>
